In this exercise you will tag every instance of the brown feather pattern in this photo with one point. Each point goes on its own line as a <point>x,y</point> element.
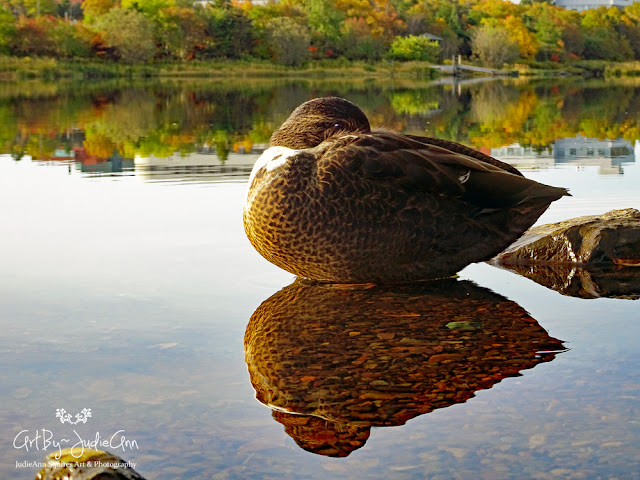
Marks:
<point>360,206</point>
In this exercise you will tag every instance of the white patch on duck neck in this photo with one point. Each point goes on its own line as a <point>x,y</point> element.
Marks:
<point>272,158</point>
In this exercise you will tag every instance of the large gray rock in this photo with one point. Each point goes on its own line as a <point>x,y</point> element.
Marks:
<point>612,238</point>
<point>587,257</point>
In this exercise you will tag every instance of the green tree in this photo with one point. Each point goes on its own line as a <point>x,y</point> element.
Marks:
<point>573,41</point>
<point>414,47</point>
<point>180,32</point>
<point>73,40</point>
<point>230,32</point>
<point>358,42</point>
<point>288,41</point>
<point>30,8</point>
<point>150,7</point>
<point>93,9</point>
<point>546,28</point>
<point>7,30</point>
<point>451,42</point>
<point>447,19</point>
<point>452,13</point>
<point>557,30</point>
<point>263,14</point>
<point>129,33</point>
<point>601,39</point>
<point>492,46</point>
<point>324,19</point>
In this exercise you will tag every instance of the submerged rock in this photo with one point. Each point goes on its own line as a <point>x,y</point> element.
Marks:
<point>583,281</point>
<point>612,238</point>
<point>86,464</point>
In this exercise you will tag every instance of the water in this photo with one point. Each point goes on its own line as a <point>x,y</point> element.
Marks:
<point>127,285</point>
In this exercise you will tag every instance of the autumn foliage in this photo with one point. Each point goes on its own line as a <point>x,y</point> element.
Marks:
<point>292,32</point>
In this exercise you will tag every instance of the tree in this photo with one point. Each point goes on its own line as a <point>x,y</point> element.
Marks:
<point>521,36</point>
<point>73,40</point>
<point>30,8</point>
<point>180,32</point>
<point>631,33</point>
<point>358,42</point>
<point>129,32</point>
<point>263,14</point>
<point>7,30</point>
<point>69,10</point>
<point>414,47</point>
<point>380,15</point>
<point>494,9</point>
<point>93,9</point>
<point>229,32</point>
<point>324,19</point>
<point>149,7</point>
<point>547,29</point>
<point>601,39</point>
<point>633,11</point>
<point>557,30</point>
<point>450,43</point>
<point>287,41</point>
<point>573,41</point>
<point>34,36</point>
<point>629,27</point>
<point>446,19</point>
<point>492,45</point>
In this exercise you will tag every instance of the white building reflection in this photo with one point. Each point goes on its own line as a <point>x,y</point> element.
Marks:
<point>609,155</point>
<point>204,165</point>
<point>207,165</point>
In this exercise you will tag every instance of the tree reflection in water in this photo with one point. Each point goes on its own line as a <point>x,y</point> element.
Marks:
<point>334,361</point>
<point>95,119</point>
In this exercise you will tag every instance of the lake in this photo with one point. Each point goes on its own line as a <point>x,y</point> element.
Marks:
<point>136,317</point>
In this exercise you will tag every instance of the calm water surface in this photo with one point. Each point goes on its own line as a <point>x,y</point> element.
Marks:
<point>127,286</point>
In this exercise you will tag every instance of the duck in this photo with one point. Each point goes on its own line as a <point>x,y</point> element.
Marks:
<point>334,201</point>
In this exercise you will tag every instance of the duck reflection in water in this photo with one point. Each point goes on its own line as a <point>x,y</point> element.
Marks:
<point>332,362</point>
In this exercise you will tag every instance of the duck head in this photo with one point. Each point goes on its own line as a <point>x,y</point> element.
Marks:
<point>317,120</point>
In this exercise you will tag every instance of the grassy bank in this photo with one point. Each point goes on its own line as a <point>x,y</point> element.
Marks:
<point>587,68</point>
<point>15,69</point>
<point>12,69</point>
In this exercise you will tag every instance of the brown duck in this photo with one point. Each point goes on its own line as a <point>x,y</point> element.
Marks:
<point>334,201</point>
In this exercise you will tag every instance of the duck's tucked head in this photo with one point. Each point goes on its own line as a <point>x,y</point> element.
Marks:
<point>317,120</point>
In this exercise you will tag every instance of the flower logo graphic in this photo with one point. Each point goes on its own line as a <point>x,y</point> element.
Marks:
<point>65,417</point>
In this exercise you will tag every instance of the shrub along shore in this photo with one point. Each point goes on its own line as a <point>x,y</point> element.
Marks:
<point>45,68</point>
<point>21,68</point>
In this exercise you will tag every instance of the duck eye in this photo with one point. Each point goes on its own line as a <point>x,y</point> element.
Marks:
<point>337,125</point>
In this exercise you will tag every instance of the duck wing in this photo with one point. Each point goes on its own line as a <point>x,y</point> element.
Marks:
<point>414,164</point>
<point>468,151</point>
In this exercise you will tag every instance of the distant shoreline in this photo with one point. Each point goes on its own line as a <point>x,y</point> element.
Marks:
<point>22,68</point>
